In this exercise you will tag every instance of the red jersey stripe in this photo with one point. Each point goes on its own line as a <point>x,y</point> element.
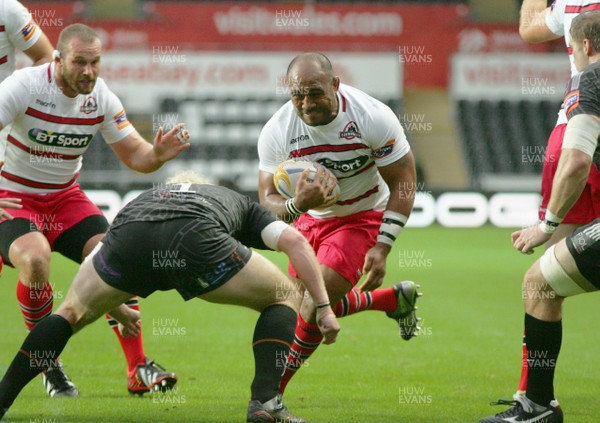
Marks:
<point>360,197</point>
<point>326,148</point>
<point>579,9</point>
<point>23,147</point>
<point>34,184</point>
<point>64,120</point>
<point>3,59</point>
<point>343,103</point>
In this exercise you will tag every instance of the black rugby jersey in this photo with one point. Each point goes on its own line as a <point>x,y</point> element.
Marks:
<point>237,214</point>
<point>583,97</point>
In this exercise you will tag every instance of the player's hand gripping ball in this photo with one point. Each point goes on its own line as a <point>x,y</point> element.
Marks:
<point>288,174</point>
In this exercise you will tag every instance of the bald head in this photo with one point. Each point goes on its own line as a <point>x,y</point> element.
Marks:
<point>310,60</point>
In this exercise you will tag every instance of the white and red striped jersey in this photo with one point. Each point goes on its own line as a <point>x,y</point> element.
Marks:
<point>559,19</point>
<point>18,30</point>
<point>50,131</point>
<point>365,134</point>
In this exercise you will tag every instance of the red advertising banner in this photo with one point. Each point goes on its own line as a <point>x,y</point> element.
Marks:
<point>424,36</point>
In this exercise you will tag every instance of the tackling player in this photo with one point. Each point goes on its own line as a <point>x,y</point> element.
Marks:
<point>360,143</point>
<point>540,23</point>
<point>210,230</point>
<point>54,111</point>
<point>572,265</point>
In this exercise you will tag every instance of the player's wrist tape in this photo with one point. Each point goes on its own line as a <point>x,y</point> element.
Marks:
<point>551,217</point>
<point>291,208</point>
<point>390,228</point>
<point>546,228</point>
<point>323,305</point>
<point>550,222</point>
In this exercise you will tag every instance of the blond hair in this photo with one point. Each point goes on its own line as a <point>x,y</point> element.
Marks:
<point>186,177</point>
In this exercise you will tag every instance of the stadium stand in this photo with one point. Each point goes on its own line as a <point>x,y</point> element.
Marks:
<point>504,137</point>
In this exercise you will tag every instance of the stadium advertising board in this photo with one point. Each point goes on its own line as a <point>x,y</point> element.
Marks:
<point>256,26</point>
<point>505,76</point>
<point>143,79</point>
<point>451,209</point>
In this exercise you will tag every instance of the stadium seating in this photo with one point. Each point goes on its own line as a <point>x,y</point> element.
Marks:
<point>504,137</point>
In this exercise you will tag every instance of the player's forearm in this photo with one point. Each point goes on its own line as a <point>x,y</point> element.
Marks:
<point>145,160</point>
<point>276,204</point>
<point>305,262</point>
<point>403,188</point>
<point>402,201</point>
<point>309,273</point>
<point>531,10</point>
<point>401,179</point>
<point>398,204</point>
<point>569,180</point>
<point>532,22</point>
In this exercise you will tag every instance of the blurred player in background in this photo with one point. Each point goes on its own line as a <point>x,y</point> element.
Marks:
<point>18,30</point>
<point>210,230</point>
<point>540,23</point>
<point>360,143</point>
<point>570,266</point>
<point>54,111</point>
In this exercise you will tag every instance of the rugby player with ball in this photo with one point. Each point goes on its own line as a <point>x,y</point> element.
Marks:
<point>359,194</point>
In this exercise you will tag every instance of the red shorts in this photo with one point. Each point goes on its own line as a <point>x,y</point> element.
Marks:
<point>53,213</point>
<point>341,243</point>
<point>587,207</point>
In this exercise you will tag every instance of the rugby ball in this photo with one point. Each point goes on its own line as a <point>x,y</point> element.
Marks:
<point>288,174</point>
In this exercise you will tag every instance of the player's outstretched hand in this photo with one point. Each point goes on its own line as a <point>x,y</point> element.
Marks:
<point>374,267</point>
<point>168,146</point>
<point>129,320</point>
<point>328,324</point>
<point>527,239</point>
<point>9,203</point>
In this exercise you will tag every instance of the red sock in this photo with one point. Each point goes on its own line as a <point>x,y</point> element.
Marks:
<point>523,382</point>
<point>35,303</point>
<point>133,347</point>
<point>306,341</point>
<point>383,299</point>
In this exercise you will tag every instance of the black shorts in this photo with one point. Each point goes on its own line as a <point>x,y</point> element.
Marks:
<point>193,256</point>
<point>584,245</point>
<point>69,243</point>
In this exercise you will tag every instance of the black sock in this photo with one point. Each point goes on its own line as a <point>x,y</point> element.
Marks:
<point>543,346</point>
<point>40,349</point>
<point>273,336</point>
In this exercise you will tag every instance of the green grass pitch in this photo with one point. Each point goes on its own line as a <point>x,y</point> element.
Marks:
<point>467,356</point>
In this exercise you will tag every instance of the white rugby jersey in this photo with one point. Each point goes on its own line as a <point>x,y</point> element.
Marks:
<point>365,134</point>
<point>50,131</point>
<point>17,30</point>
<point>558,20</point>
